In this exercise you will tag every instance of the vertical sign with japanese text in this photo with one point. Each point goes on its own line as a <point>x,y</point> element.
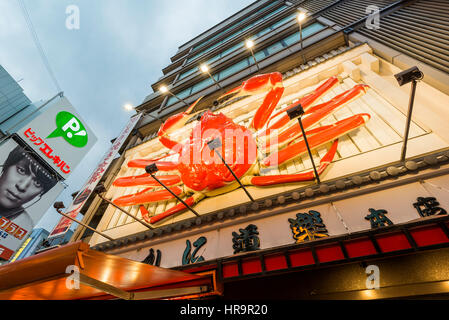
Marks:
<point>82,196</point>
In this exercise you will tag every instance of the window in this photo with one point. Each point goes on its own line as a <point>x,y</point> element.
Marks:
<point>242,64</point>
<point>238,32</point>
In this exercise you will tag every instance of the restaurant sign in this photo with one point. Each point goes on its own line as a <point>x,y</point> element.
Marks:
<point>376,210</point>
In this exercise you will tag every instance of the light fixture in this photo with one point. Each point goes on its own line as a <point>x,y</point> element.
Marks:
<point>128,107</point>
<point>410,75</point>
<point>205,69</point>
<point>215,145</point>
<point>250,44</point>
<point>163,89</point>
<point>60,205</point>
<point>301,17</point>
<point>151,169</point>
<point>100,188</point>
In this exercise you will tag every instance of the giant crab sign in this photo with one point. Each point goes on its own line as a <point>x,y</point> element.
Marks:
<point>269,141</point>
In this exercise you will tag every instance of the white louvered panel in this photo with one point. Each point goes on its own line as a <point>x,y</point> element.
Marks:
<point>298,164</point>
<point>361,137</point>
<point>290,166</point>
<point>355,135</point>
<point>160,207</point>
<point>395,118</point>
<point>170,204</point>
<point>377,126</point>
<point>114,219</point>
<point>391,118</point>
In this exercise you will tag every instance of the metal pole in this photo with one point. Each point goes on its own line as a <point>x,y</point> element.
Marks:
<point>126,212</point>
<point>309,151</point>
<point>174,95</point>
<point>84,225</point>
<point>173,194</point>
<point>214,80</point>
<point>409,118</point>
<point>254,57</point>
<point>300,36</point>
<point>232,172</point>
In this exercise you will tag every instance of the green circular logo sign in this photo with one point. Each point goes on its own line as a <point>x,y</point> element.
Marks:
<point>70,128</point>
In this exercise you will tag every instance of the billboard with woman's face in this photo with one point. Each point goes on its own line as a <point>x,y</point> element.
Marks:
<point>27,190</point>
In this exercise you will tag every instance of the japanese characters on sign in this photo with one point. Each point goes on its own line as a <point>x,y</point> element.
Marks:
<point>47,151</point>
<point>320,222</point>
<point>247,240</point>
<point>150,258</point>
<point>188,257</point>
<point>378,218</point>
<point>308,226</point>
<point>428,206</point>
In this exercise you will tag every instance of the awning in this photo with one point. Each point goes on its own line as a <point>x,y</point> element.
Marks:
<point>49,276</point>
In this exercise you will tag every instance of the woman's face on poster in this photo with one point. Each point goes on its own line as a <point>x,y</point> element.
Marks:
<point>18,185</point>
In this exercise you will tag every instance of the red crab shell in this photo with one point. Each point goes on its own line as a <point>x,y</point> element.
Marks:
<point>200,168</point>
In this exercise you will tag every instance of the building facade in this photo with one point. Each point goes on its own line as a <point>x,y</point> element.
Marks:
<point>13,102</point>
<point>373,226</point>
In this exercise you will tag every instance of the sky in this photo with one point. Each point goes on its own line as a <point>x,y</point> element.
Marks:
<point>120,48</point>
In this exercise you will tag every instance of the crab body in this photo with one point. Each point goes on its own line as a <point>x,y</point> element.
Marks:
<point>200,169</point>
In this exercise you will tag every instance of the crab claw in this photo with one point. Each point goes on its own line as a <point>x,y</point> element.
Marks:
<point>172,124</point>
<point>318,113</point>
<point>146,196</point>
<point>305,102</point>
<point>271,82</point>
<point>322,136</point>
<point>145,179</point>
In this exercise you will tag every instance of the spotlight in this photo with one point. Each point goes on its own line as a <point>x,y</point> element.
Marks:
<point>301,16</point>
<point>204,68</point>
<point>59,205</point>
<point>214,144</point>
<point>295,112</point>
<point>151,168</point>
<point>409,75</point>
<point>100,188</point>
<point>128,107</point>
<point>163,89</point>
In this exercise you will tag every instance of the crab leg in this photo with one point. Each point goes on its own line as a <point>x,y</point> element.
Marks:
<point>147,196</point>
<point>177,208</point>
<point>172,124</point>
<point>161,165</point>
<point>305,102</point>
<point>303,176</point>
<point>331,132</point>
<point>318,113</point>
<point>271,82</point>
<point>146,179</point>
